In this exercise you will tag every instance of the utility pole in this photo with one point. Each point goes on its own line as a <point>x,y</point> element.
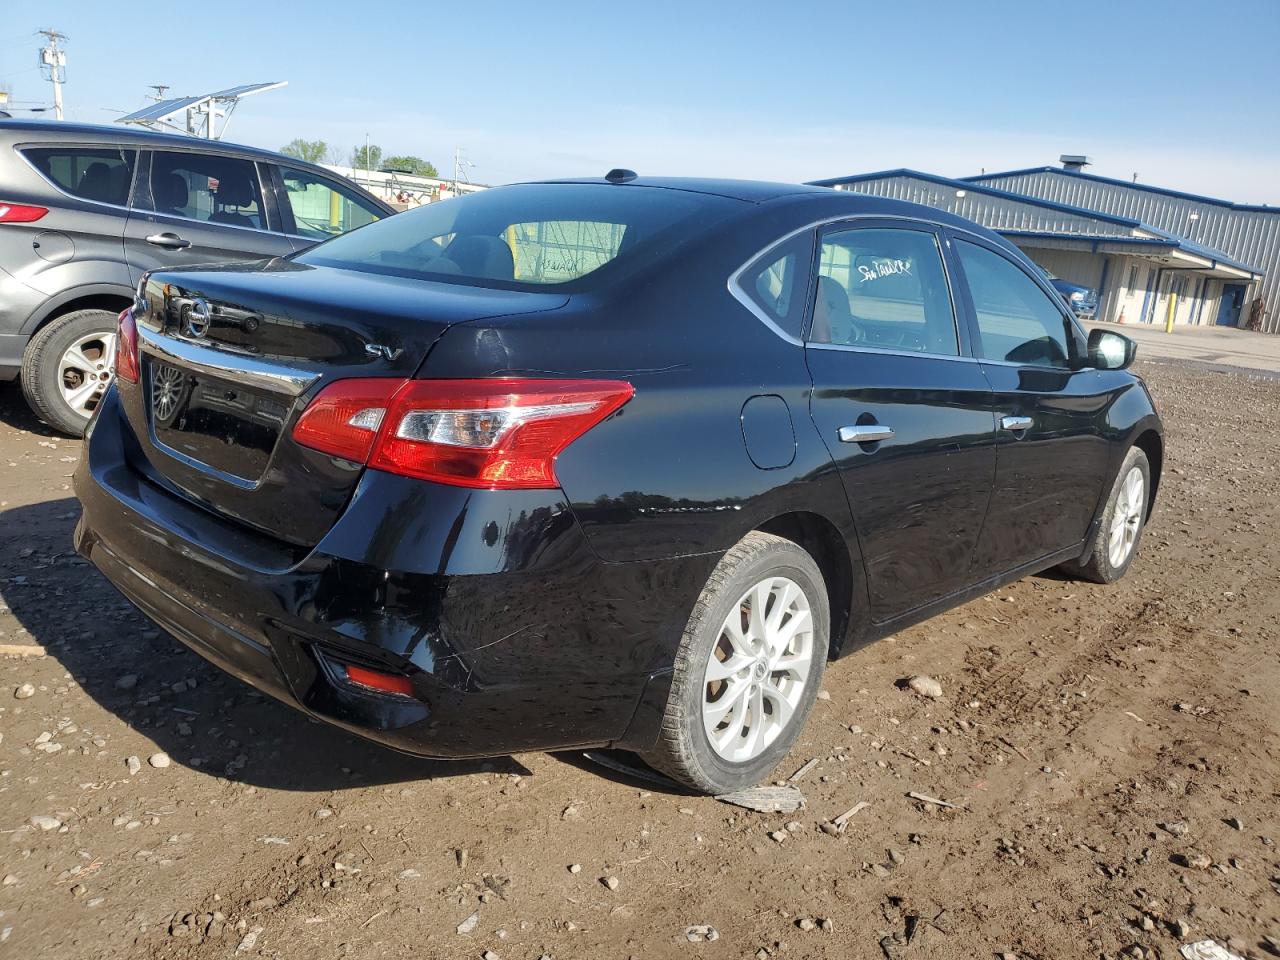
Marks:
<point>159,89</point>
<point>460,164</point>
<point>55,61</point>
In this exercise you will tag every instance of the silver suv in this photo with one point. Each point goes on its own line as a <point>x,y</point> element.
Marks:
<point>85,210</point>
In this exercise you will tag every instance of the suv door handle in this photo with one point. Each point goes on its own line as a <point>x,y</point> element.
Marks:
<point>1016,424</point>
<point>170,240</point>
<point>865,433</point>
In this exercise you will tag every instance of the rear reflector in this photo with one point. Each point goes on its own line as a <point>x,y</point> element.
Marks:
<point>382,682</point>
<point>502,433</point>
<point>127,347</point>
<point>20,212</point>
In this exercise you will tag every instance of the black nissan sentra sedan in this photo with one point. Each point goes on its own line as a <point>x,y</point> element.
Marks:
<point>612,462</point>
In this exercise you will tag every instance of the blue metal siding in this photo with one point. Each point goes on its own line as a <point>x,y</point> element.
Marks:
<point>999,212</point>
<point>1250,234</point>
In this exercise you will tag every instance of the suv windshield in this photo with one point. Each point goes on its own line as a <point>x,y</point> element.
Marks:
<point>526,237</point>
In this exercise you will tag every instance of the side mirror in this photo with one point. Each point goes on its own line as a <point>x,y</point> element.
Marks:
<point>1111,351</point>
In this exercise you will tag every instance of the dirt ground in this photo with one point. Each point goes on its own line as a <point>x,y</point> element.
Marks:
<point>1093,739</point>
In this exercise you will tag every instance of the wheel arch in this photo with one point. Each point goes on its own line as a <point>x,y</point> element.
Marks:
<point>1151,443</point>
<point>97,296</point>
<point>822,540</point>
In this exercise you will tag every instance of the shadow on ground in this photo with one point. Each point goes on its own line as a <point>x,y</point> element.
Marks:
<point>194,712</point>
<point>15,412</point>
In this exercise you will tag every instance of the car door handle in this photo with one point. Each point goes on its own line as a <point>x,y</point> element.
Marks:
<point>1016,424</point>
<point>865,433</point>
<point>170,240</point>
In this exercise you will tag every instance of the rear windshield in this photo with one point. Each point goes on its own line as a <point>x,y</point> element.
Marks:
<point>526,237</point>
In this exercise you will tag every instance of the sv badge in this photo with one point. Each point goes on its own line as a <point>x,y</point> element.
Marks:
<point>382,352</point>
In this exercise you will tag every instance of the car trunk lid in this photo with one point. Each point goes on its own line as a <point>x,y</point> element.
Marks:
<point>230,356</point>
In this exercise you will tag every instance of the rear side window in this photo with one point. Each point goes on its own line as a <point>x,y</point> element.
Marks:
<point>884,288</point>
<point>1017,320</point>
<point>102,174</point>
<point>204,187</point>
<point>529,236</point>
<point>777,283</point>
<point>322,209</point>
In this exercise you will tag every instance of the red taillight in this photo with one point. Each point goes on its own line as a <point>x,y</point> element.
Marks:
<point>20,212</point>
<point>503,433</point>
<point>382,682</point>
<point>127,347</point>
<point>344,418</point>
<point>493,434</point>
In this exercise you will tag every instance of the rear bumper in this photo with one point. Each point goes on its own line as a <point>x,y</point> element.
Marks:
<point>17,303</point>
<point>514,635</point>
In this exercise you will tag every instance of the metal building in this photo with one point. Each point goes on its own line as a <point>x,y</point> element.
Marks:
<point>1248,233</point>
<point>1143,272</point>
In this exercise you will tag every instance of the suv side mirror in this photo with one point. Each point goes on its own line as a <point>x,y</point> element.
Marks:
<point>1111,351</point>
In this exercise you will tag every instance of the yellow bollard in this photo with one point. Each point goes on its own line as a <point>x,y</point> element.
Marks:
<point>1173,309</point>
<point>335,212</point>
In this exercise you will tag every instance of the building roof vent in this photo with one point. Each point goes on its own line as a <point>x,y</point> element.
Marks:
<point>1075,162</point>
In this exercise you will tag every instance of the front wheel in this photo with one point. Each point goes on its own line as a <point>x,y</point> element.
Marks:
<point>1116,542</point>
<point>748,668</point>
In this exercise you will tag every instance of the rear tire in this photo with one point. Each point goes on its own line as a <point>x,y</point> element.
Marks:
<point>67,367</point>
<point>748,668</point>
<point>1116,542</point>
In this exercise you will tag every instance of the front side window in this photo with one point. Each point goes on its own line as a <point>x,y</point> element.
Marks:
<point>1017,321</point>
<point>90,173</point>
<point>323,209</point>
<point>884,288</point>
<point>205,187</point>
<point>529,236</point>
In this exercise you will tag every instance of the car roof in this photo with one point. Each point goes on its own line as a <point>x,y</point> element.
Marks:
<point>751,191</point>
<point>62,131</point>
<point>834,202</point>
<point>52,131</point>
<point>826,203</point>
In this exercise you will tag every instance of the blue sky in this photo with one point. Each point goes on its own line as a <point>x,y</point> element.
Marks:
<point>1187,95</point>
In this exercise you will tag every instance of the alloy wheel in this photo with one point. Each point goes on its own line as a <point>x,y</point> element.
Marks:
<point>85,370</point>
<point>166,392</point>
<point>756,674</point>
<point>1126,520</point>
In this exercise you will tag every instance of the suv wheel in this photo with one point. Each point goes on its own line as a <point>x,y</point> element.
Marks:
<point>67,367</point>
<point>1116,542</point>
<point>748,668</point>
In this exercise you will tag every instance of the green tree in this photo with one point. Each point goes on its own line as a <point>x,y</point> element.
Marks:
<point>367,158</point>
<point>415,165</point>
<point>312,151</point>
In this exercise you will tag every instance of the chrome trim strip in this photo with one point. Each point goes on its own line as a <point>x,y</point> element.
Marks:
<point>888,351</point>
<point>215,362</point>
<point>736,291</point>
<point>945,356</point>
<point>1033,366</point>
